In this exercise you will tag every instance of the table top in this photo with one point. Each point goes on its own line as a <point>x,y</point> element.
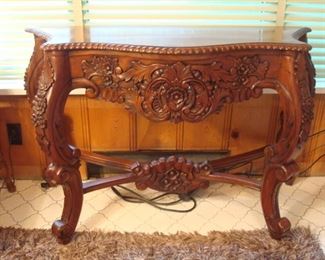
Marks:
<point>174,36</point>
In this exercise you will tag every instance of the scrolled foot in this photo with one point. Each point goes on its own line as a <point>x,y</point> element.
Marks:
<point>278,228</point>
<point>63,232</point>
<point>274,177</point>
<point>70,180</point>
<point>10,183</point>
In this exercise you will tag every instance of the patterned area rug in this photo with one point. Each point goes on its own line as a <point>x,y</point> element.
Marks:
<point>256,244</point>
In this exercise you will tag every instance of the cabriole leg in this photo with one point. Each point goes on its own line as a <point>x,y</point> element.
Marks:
<point>63,160</point>
<point>274,177</point>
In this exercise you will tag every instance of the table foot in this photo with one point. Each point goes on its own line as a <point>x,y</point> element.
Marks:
<point>63,229</point>
<point>10,183</point>
<point>274,177</point>
<point>278,228</point>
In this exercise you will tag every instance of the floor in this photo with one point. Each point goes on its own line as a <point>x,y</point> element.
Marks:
<point>220,207</point>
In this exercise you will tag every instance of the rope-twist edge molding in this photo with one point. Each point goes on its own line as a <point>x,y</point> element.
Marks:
<point>166,50</point>
<point>173,50</point>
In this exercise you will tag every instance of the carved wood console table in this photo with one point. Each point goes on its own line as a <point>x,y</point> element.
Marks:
<point>8,179</point>
<point>171,74</point>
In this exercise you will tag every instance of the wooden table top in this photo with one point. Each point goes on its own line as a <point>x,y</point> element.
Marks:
<point>178,37</point>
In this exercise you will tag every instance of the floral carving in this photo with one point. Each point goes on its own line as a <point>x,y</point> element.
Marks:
<point>175,93</point>
<point>246,69</point>
<point>306,83</point>
<point>39,104</point>
<point>100,70</point>
<point>178,91</point>
<point>174,174</point>
<point>103,71</point>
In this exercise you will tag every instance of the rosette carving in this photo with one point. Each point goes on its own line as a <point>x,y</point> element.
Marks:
<point>181,92</point>
<point>247,69</point>
<point>171,92</point>
<point>178,91</point>
<point>174,174</point>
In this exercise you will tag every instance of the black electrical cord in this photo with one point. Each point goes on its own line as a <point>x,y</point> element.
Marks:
<point>321,156</point>
<point>317,133</point>
<point>312,164</point>
<point>137,198</point>
<point>236,166</point>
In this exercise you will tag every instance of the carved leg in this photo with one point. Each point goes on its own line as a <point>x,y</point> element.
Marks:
<point>274,176</point>
<point>296,106</point>
<point>10,183</point>
<point>63,159</point>
<point>8,175</point>
<point>70,179</point>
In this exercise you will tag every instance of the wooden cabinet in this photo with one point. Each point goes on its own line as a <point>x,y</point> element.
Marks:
<point>228,130</point>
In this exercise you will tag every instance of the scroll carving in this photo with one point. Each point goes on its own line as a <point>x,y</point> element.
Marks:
<point>55,174</point>
<point>174,174</point>
<point>103,71</point>
<point>177,91</point>
<point>39,105</point>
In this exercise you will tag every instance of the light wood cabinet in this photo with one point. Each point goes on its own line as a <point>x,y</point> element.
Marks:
<point>238,128</point>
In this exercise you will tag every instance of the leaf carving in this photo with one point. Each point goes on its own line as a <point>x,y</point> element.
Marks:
<point>177,91</point>
<point>139,72</point>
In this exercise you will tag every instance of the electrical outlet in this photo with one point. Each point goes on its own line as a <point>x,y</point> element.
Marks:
<point>14,134</point>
